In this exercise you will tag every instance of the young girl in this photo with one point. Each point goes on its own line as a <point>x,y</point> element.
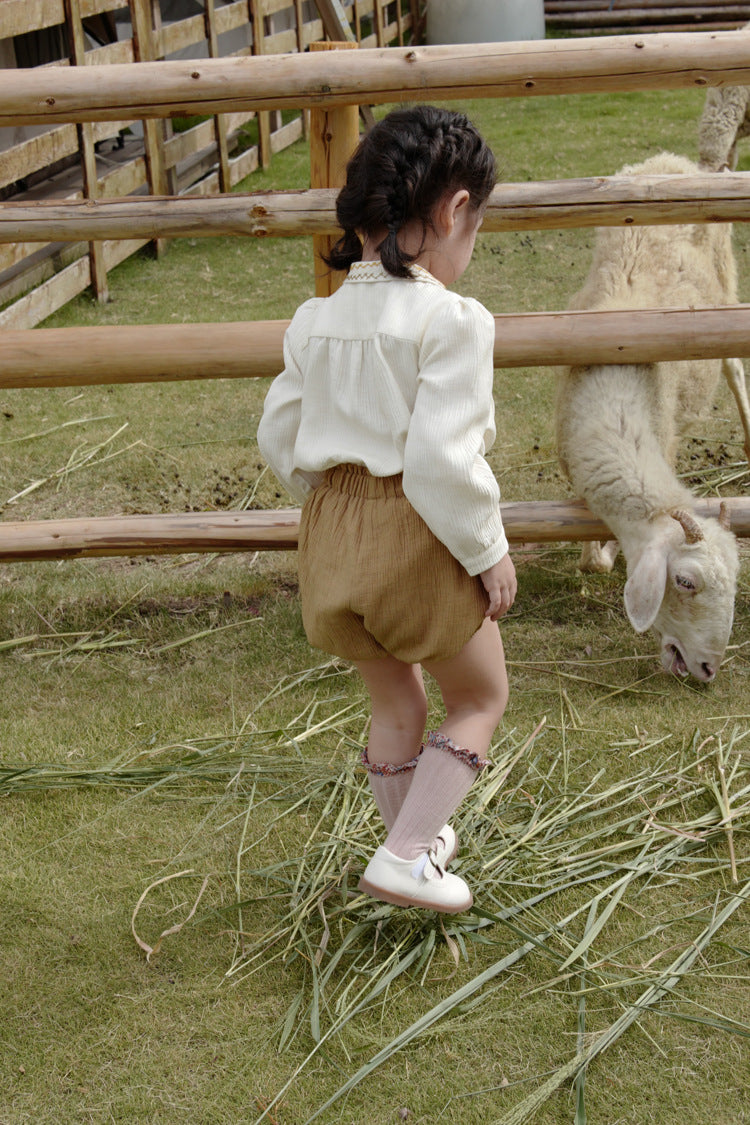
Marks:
<point>378,425</point>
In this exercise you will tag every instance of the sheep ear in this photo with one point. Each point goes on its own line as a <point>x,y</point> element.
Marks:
<point>644,589</point>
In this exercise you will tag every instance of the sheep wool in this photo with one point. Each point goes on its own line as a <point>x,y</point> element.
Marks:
<point>618,426</point>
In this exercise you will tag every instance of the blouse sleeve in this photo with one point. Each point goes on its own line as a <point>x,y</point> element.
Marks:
<point>446,476</point>
<point>279,424</point>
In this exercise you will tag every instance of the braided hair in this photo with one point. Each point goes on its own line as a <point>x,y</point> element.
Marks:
<point>399,172</point>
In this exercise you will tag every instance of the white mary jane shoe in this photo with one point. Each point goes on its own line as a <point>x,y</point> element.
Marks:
<point>415,882</point>
<point>445,846</point>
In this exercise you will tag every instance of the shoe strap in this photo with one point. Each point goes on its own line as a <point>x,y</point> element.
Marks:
<point>427,867</point>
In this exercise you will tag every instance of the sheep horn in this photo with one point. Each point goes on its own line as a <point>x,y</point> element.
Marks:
<point>689,525</point>
<point>725,516</point>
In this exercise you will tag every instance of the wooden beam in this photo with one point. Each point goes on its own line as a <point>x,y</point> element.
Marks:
<point>334,134</point>
<point>334,21</point>
<point>544,205</point>
<point>47,95</point>
<point>541,521</point>
<point>87,152</point>
<point>149,353</point>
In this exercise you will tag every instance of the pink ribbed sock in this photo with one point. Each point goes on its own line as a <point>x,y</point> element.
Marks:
<point>443,776</point>
<point>389,784</point>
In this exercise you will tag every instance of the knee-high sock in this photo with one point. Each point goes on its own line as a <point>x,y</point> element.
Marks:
<point>443,776</point>
<point>389,784</point>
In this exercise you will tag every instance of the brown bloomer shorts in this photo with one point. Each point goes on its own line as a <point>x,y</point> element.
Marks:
<point>374,580</point>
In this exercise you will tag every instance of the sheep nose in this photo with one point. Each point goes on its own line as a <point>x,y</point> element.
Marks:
<point>708,671</point>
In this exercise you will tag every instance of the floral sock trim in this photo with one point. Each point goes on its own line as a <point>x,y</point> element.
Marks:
<point>442,742</point>
<point>388,769</point>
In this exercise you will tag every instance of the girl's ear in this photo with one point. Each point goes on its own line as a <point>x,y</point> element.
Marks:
<point>450,207</point>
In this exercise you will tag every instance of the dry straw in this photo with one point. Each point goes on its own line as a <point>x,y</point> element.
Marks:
<point>554,864</point>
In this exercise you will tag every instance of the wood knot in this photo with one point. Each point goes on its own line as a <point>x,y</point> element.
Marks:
<point>49,101</point>
<point>195,74</point>
<point>529,83</point>
<point>411,56</point>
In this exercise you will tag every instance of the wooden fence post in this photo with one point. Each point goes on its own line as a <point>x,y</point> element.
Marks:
<point>220,124</point>
<point>142,14</point>
<point>262,115</point>
<point>85,130</point>
<point>334,134</point>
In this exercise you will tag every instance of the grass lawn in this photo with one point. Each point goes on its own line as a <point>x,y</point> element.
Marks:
<point>183,824</point>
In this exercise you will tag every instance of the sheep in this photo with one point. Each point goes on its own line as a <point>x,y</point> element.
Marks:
<point>725,120</point>
<point>617,431</point>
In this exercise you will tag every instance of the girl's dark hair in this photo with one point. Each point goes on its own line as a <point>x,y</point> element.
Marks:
<point>400,170</point>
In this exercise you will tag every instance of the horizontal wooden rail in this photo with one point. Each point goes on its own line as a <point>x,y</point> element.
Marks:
<point>119,91</point>
<point>541,205</point>
<point>541,521</point>
<point>150,353</point>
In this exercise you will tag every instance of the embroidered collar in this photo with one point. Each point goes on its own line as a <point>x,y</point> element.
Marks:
<point>374,271</point>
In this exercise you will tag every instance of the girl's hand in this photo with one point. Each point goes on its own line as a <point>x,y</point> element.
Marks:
<point>500,583</point>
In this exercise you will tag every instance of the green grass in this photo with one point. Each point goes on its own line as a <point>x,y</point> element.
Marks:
<point>164,722</point>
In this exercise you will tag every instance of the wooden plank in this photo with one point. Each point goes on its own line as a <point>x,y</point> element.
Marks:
<point>179,35</point>
<point>558,66</point>
<point>281,42</point>
<point>121,52</point>
<point>335,21</point>
<point>97,7</point>
<point>37,152</point>
<point>286,135</point>
<point>37,269</point>
<point>231,16</point>
<point>36,306</point>
<point>540,521</point>
<point>551,7</point>
<point>620,17</point>
<point>17,17</point>
<point>125,179</point>
<point>245,164</point>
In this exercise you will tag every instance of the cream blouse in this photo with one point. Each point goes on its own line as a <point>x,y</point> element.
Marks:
<point>396,375</point>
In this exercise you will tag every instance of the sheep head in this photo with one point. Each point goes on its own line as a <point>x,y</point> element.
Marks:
<point>682,584</point>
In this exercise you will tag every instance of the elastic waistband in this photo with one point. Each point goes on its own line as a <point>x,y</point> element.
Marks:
<point>356,480</point>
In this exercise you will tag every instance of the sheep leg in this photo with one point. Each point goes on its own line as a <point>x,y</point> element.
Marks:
<point>734,373</point>
<point>598,559</point>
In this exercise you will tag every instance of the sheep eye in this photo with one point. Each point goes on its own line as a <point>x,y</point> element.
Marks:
<point>683,582</point>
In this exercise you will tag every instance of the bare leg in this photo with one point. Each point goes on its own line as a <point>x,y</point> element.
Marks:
<point>474,687</point>
<point>399,713</point>
<point>399,708</point>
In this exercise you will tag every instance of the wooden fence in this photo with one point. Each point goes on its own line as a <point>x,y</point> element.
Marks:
<point>326,84</point>
<point>610,17</point>
<point>180,154</point>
